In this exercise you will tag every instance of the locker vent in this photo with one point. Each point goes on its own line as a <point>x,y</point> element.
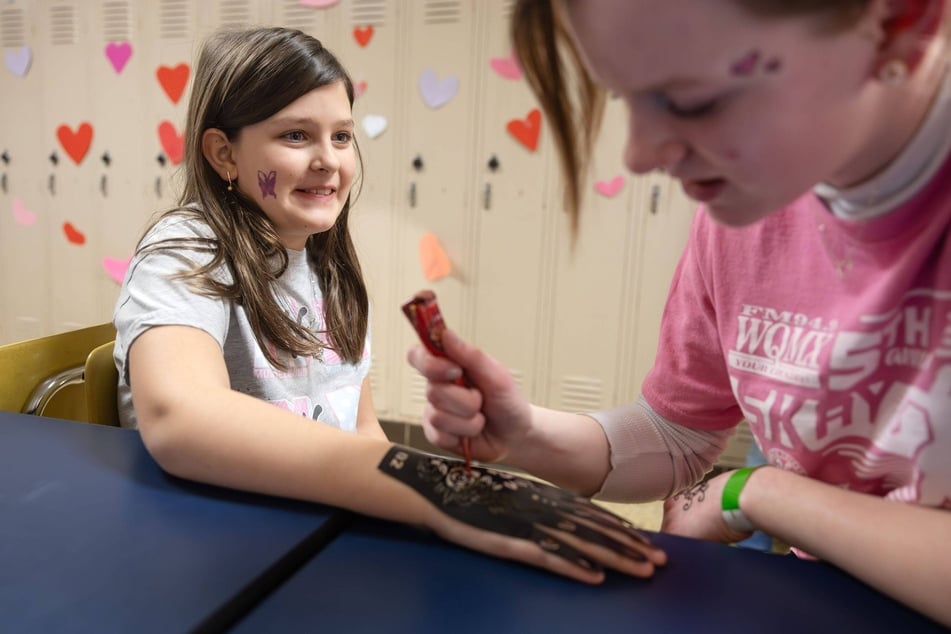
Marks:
<point>519,378</point>
<point>234,14</point>
<point>442,12</point>
<point>581,394</point>
<point>368,12</point>
<point>12,28</point>
<point>62,25</point>
<point>116,25</point>
<point>417,390</point>
<point>507,7</point>
<point>174,22</point>
<point>294,14</point>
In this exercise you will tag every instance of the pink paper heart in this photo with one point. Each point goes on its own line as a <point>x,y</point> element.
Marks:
<point>359,88</point>
<point>318,4</point>
<point>116,268</point>
<point>118,54</point>
<point>506,67</point>
<point>610,188</point>
<point>21,214</point>
<point>18,60</point>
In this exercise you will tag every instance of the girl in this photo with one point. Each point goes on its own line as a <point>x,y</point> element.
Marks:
<point>242,341</point>
<point>813,298</point>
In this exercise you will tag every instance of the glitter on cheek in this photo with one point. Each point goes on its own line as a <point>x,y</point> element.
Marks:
<point>746,65</point>
<point>774,65</point>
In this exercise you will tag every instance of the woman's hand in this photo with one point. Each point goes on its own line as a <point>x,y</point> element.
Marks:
<point>491,411</point>
<point>526,520</point>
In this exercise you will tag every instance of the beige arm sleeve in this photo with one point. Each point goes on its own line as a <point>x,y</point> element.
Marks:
<point>651,457</point>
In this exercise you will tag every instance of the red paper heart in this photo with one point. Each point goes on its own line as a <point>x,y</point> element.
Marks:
<point>173,80</point>
<point>362,36</point>
<point>172,142</point>
<point>76,143</point>
<point>526,131</point>
<point>74,235</point>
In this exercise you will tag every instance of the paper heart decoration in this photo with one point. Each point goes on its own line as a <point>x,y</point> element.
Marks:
<point>363,36</point>
<point>173,80</point>
<point>116,268</point>
<point>374,125</point>
<point>21,214</point>
<point>610,188</point>
<point>433,258</point>
<point>172,142</point>
<point>437,92</point>
<point>74,235</point>
<point>118,54</point>
<point>506,67</point>
<point>75,143</point>
<point>318,4</point>
<point>359,88</point>
<point>526,130</point>
<point>18,60</point>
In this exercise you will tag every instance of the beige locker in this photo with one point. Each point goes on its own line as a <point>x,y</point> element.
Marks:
<point>592,281</point>
<point>512,221</point>
<point>70,135</point>
<point>117,80</point>
<point>368,41</point>
<point>434,165</point>
<point>24,222</point>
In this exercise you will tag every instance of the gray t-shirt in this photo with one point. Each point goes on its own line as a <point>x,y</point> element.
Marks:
<point>324,388</point>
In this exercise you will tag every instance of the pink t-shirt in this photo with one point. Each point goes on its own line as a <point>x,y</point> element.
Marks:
<point>832,338</point>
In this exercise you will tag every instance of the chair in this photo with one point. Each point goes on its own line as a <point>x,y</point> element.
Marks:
<point>63,376</point>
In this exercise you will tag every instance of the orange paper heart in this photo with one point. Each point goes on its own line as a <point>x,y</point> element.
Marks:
<point>74,235</point>
<point>75,143</point>
<point>173,80</point>
<point>362,36</point>
<point>526,131</point>
<point>172,142</point>
<point>433,258</point>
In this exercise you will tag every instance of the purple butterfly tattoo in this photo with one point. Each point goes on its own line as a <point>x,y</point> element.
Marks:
<point>266,182</point>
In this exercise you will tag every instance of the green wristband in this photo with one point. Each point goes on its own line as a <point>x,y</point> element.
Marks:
<point>730,501</point>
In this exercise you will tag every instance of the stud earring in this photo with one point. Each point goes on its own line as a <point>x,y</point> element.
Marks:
<point>230,186</point>
<point>893,72</point>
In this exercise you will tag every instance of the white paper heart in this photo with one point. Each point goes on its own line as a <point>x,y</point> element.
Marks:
<point>18,60</point>
<point>374,125</point>
<point>437,92</point>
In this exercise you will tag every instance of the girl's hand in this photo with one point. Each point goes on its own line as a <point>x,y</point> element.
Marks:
<point>697,512</point>
<point>490,411</point>
<point>526,520</point>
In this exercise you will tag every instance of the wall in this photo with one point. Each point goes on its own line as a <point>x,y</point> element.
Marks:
<point>93,97</point>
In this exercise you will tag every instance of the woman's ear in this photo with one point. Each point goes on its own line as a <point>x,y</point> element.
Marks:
<point>908,28</point>
<point>216,148</point>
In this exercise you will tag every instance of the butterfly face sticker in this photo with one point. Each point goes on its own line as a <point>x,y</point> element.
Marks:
<point>266,182</point>
<point>750,63</point>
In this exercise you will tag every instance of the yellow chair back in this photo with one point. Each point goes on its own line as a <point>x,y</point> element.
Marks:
<point>45,375</point>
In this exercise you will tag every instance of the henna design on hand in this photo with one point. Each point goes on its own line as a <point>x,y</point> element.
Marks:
<point>510,505</point>
<point>699,492</point>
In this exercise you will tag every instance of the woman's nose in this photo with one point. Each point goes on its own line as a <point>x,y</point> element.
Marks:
<point>651,145</point>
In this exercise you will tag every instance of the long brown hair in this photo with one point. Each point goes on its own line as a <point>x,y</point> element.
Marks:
<point>574,105</point>
<point>241,78</point>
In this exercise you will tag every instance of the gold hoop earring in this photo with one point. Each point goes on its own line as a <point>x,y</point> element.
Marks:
<point>893,72</point>
<point>230,186</point>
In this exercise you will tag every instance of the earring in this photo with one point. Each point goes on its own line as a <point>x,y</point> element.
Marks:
<point>893,72</point>
<point>230,186</point>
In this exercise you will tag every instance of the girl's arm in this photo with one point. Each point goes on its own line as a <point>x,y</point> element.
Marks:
<point>197,427</point>
<point>903,550</point>
<point>367,422</point>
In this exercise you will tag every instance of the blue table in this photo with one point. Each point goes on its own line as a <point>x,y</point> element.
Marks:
<point>94,537</point>
<point>380,578</point>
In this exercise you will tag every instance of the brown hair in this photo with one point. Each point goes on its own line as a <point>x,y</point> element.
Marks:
<point>552,66</point>
<point>241,78</point>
